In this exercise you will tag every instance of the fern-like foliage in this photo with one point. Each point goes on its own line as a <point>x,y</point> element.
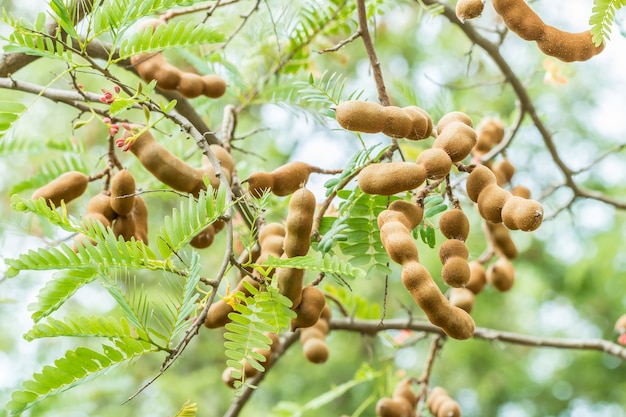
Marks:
<point>59,289</point>
<point>327,263</point>
<point>188,409</point>
<point>52,169</point>
<point>169,36</point>
<point>261,312</point>
<point>9,112</point>
<point>603,15</point>
<point>75,368</point>
<point>189,220</point>
<point>326,92</point>
<point>33,39</point>
<point>81,326</point>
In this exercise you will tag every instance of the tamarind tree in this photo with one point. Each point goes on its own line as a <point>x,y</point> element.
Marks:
<point>316,207</point>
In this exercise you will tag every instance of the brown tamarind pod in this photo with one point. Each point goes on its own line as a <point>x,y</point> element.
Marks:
<point>167,76</point>
<point>315,350</point>
<point>491,201</point>
<point>455,272</point>
<point>477,180</point>
<point>271,239</point>
<point>66,187</point>
<point>489,132</point>
<point>436,161</point>
<point>398,242</point>
<point>89,218</point>
<point>217,315</point>
<point>213,86</point>
<point>504,171</point>
<point>455,116</point>
<point>469,9</point>
<point>140,213</point>
<point>122,192</point>
<point>421,123</point>
<point>394,407</point>
<point>190,85</point>
<point>398,123</point>
<point>523,214</point>
<point>501,240</point>
<point>478,277</point>
<point>462,298</point>
<point>620,324</point>
<point>391,178</point>
<point>520,18</point>
<point>259,183</point>
<point>204,238</point>
<point>452,248</point>
<point>311,333</point>
<point>166,167</point>
<point>290,177</point>
<point>101,203</point>
<point>310,308</point>
<point>290,283</point>
<point>436,394</point>
<point>521,191</point>
<point>455,322</point>
<point>226,159</point>
<point>449,408</point>
<point>360,116</point>
<point>404,390</point>
<point>299,223</point>
<point>501,274</point>
<point>457,139</point>
<point>124,226</point>
<point>147,64</point>
<point>454,224</point>
<point>405,212</point>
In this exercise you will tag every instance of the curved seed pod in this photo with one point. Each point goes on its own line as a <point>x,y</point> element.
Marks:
<point>391,178</point>
<point>290,177</point>
<point>504,171</point>
<point>501,274</point>
<point>218,311</point>
<point>405,212</point>
<point>501,240</point>
<point>315,350</point>
<point>436,161</point>
<point>478,180</point>
<point>213,86</point>
<point>454,224</point>
<point>523,214</point>
<point>455,322</point>
<point>204,238</point>
<point>311,333</point>
<point>449,408</point>
<point>455,116</point>
<point>140,213</point>
<point>360,116</point>
<point>259,183</point>
<point>404,390</point>
<point>491,201</point>
<point>225,158</point>
<point>299,223</point>
<point>290,282</point>
<point>435,394</point>
<point>462,298</point>
<point>101,203</point>
<point>124,226</point>
<point>166,167</point>
<point>398,123</point>
<point>310,308</point>
<point>455,272</point>
<point>66,187</point>
<point>398,242</point>
<point>167,76</point>
<point>469,9</point>
<point>190,85</point>
<point>421,123</point>
<point>451,248</point>
<point>478,277</point>
<point>457,139</point>
<point>521,191</point>
<point>394,407</point>
<point>122,192</point>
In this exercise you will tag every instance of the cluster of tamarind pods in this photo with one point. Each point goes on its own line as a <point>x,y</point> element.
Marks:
<point>403,401</point>
<point>520,18</point>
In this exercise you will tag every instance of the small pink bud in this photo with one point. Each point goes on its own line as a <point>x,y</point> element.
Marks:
<point>107,120</point>
<point>117,89</point>
<point>622,339</point>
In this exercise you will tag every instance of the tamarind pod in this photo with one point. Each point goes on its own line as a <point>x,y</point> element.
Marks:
<point>290,282</point>
<point>398,242</point>
<point>225,158</point>
<point>204,238</point>
<point>271,229</point>
<point>491,201</point>
<point>455,116</point>
<point>454,224</point>
<point>449,408</point>
<point>520,18</point>
<point>501,240</point>
<point>453,248</point>
<point>299,223</point>
<point>521,191</point>
<point>455,322</point>
<point>147,64</point>
<point>88,218</point>
<point>405,212</point>
<point>101,203</point>
<point>398,123</point>
<point>272,245</point>
<point>404,390</point>
<point>124,226</point>
<point>209,170</point>
<point>501,274</point>
<point>436,161</point>
<point>394,407</point>
<point>259,183</point>
<point>310,308</point>
<point>457,139</point>
<point>421,123</point>
<point>435,393</point>
<point>489,132</point>
<point>477,278</point>
<point>321,324</point>
<point>166,167</point>
<point>217,315</point>
<point>455,272</point>
<point>469,9</point>
<point>567,46</point>
<point>190,85</point>
<point>478,180</point>
<point>504,171</point>
<point>360,116</point>
<point>290,177</point>
<point>213,86</point>
<point>66,187</point>
<point>315,350</point>
<point>122,192</point>
<point>311,333</point>
<point>523,214</point>
<point>326,315</point>
<point>140,213</point>
<point>391,178</point>
<point>462,298</point>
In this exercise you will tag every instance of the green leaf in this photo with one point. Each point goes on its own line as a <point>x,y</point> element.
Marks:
<point>326,263</point>
<point>602,18</point>
<point>81,326</point>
